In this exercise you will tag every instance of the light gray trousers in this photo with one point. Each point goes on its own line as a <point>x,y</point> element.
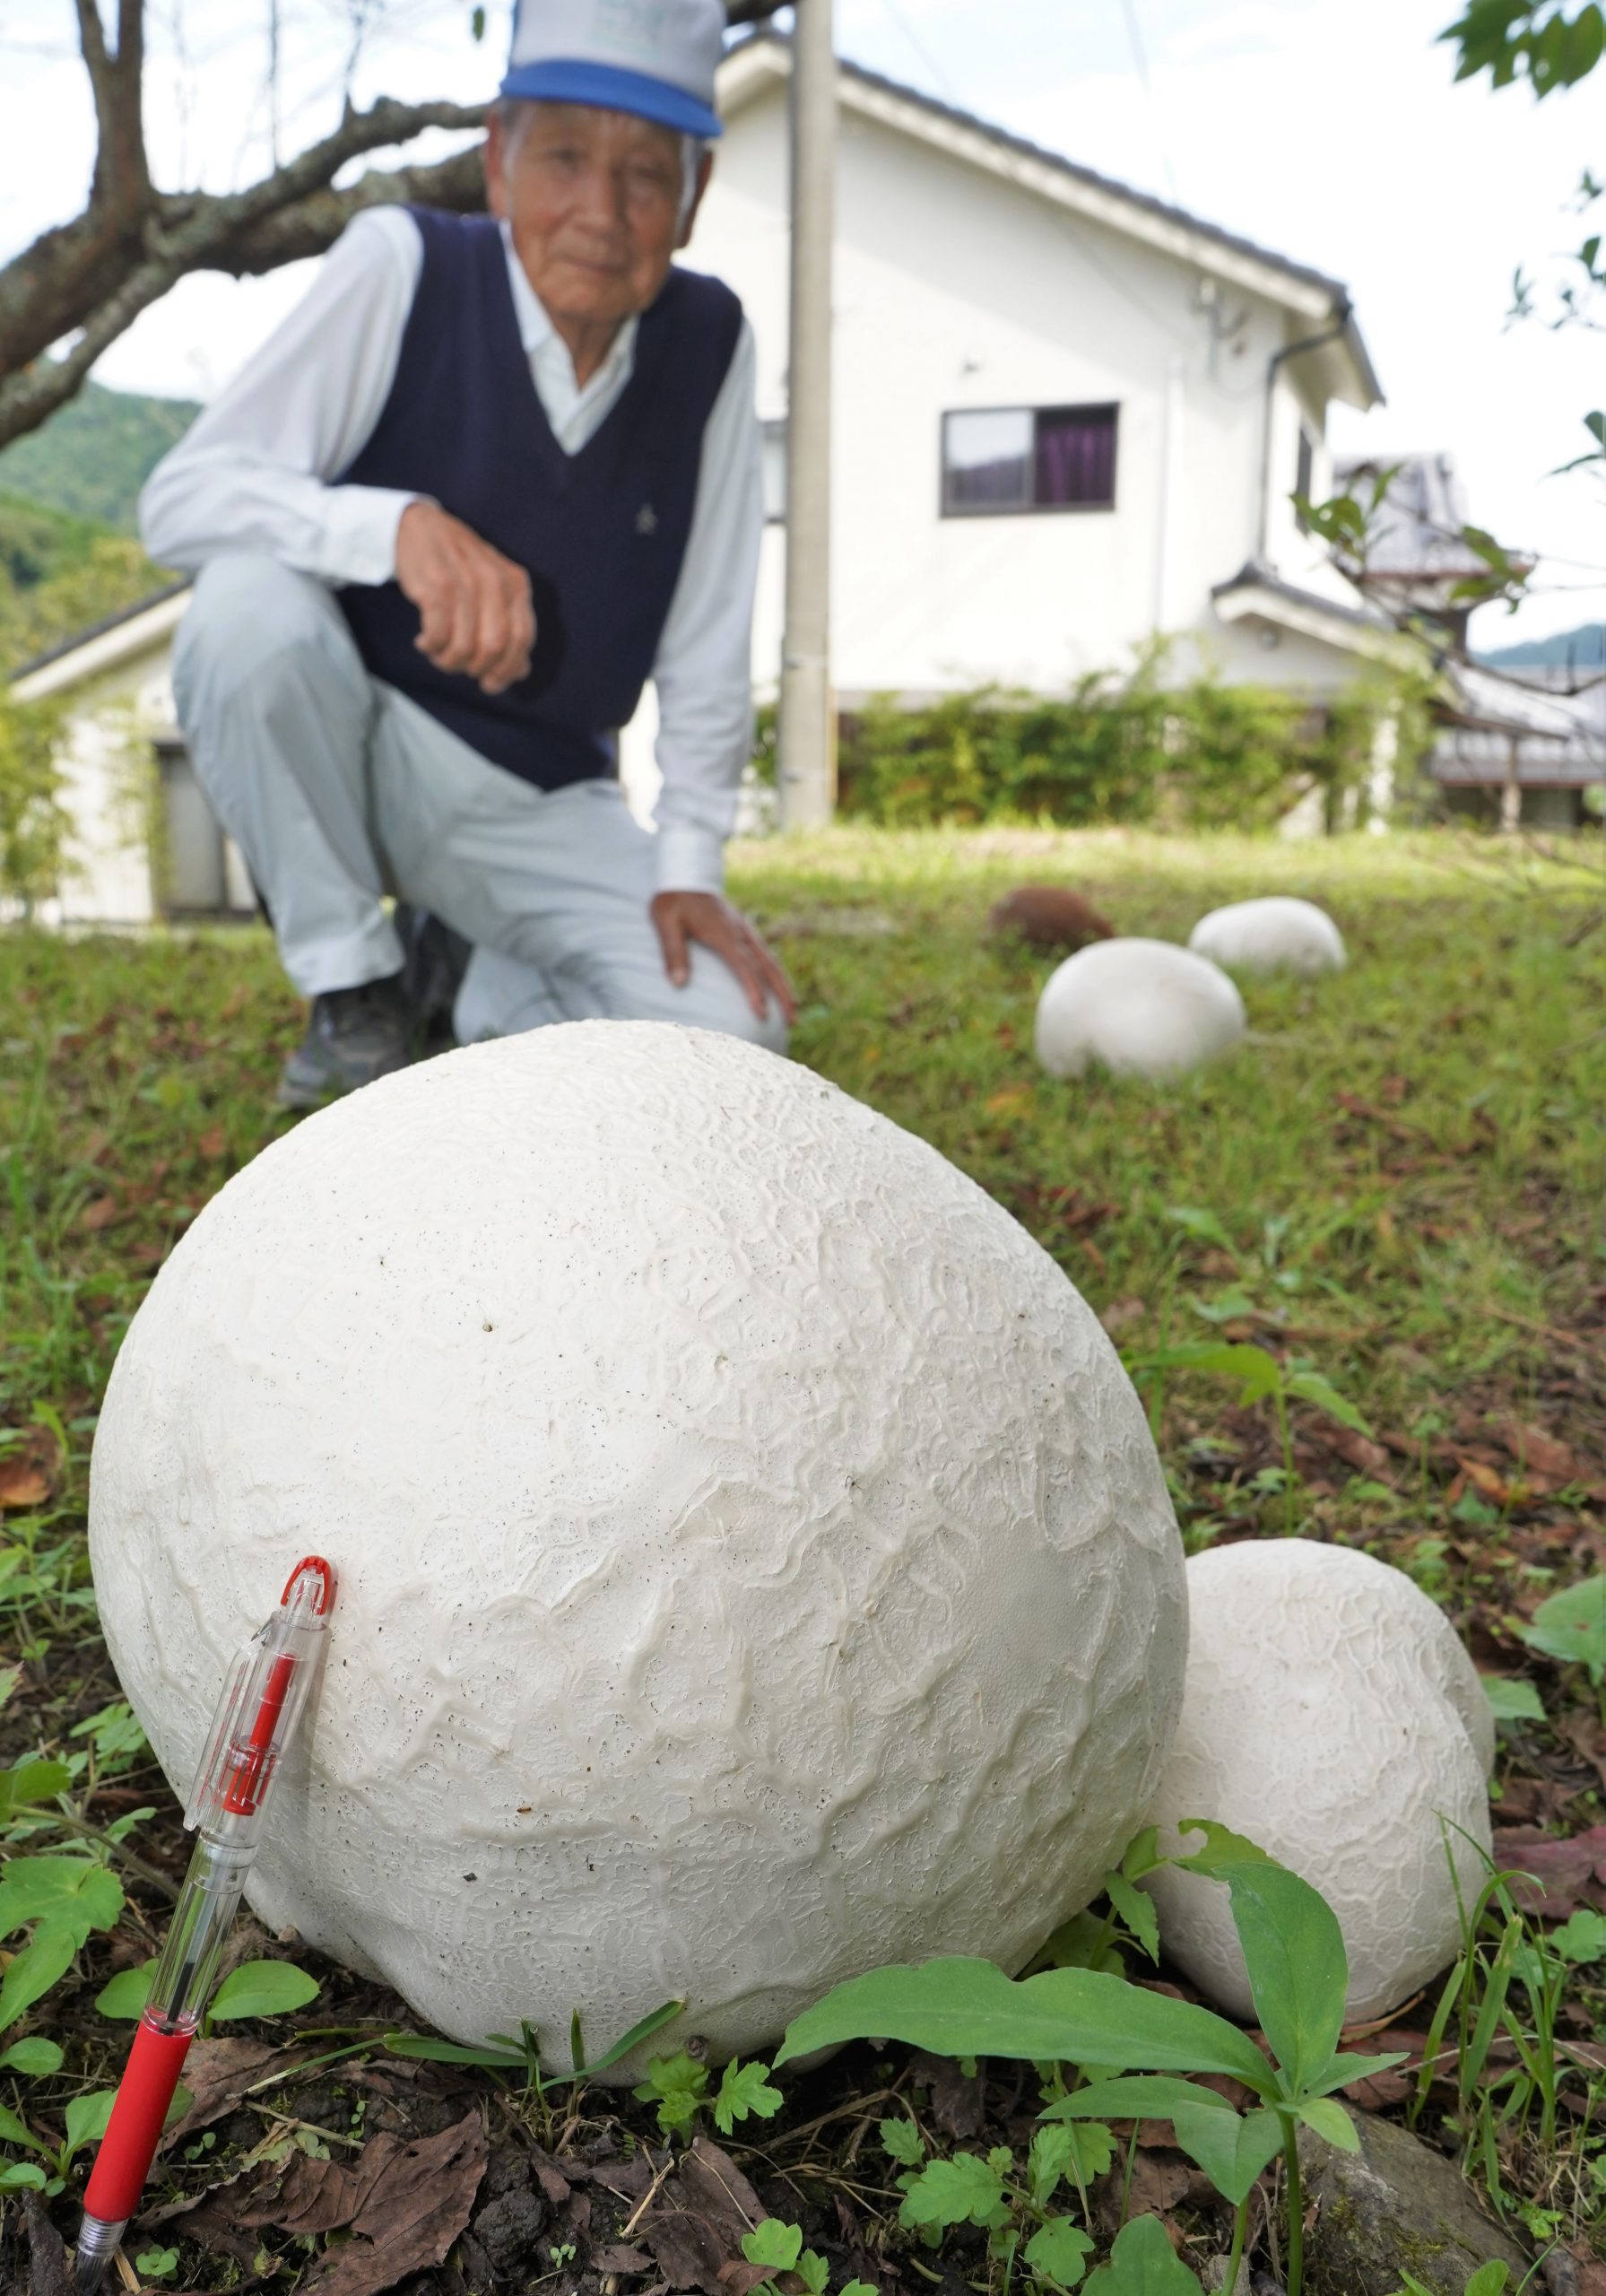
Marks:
<point>339,790</point>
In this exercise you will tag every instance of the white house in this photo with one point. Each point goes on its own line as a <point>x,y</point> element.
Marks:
<point>1067,417</point>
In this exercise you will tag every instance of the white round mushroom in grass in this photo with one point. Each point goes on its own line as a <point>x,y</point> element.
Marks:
<point>754,1564</point>
<point>1277,933</point>
<point>1333,1716</point>
<point>1141,1008</point>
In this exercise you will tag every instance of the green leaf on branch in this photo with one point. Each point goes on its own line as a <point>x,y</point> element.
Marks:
<point>262,1990</point>
<point>1143,2263</point>
<point>1058,2251</point>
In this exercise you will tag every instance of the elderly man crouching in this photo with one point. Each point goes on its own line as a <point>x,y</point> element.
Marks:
<point>494,474</point>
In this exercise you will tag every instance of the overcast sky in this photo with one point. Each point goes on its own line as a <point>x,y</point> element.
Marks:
<point>1329,130</point>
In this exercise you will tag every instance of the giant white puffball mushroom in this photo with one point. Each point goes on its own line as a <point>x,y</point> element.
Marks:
<point>1278,934</point>
<point>754,1564</point>
<point>1139,1008</point>
<point>1333,1716</point>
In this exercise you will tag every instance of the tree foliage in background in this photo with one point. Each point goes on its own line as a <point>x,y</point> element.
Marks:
<point>1196,756</point>
<point>33,822</point>
<point>59,576</point>
<point>89,279</point>
<point>93,458</point>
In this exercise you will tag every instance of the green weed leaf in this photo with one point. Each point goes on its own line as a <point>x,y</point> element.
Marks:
<point>1136,1910</point>
<point>813,2271</point>
<point>959,2006</point>
<point>1343,2072</point>
<point>774,2245</point>
<point>35,1969</point>
<point>1143,2263</point>
<point>653,2021</point>
<point>1580,1938</point>
<point>127,1994</point>
<point>430,2051</point>
<point>156,2263</point>
<point>1310,1386</point>
<point>1142,1854</point>
<point>1293,1950</point>
<point>1512,1697</point>
<point>1571,1628</point>
<point>1489,2280</point>
<point>70,1893</point>
<point>33,2057</point>
<point>965,2190</point>
<point>1232,2152</point>
<point>19,2175</point>
<point>1328,2117</point>
<point>744,2089</point>
<point>1202,1225</point>
<point>31,1782</point>
<point>1059,2251</point>
<point>263,1990</point>
<point>903,2142</point>
<point>14,2131</point>
<point>86,2119</point>
<point>1256,1372</point>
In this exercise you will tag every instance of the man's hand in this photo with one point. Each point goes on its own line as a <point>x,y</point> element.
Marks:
<point>708,917</point>
<point>475,604</point>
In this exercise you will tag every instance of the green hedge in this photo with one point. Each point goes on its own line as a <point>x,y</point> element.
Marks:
<point>1203,755</point>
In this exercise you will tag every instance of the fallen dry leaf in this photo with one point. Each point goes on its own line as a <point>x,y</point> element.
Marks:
<point>696,2230</point>
<point>1357,1451</point>
<point>1122,1314</point>
<point>1568,1874</point>
<point>30,1473</point>
<point>218,2074</point>
<point>213,1143</point>
<point>98,1214</point>
<point>1010,1101</point>
<point>1532,1447</point>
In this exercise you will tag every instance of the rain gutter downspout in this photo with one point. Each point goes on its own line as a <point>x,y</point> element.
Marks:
<point>1342,314</point>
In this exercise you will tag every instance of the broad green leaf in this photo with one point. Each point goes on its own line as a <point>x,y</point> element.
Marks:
<point>71,1893</point>
<point>1142,1854</point>
<point>1489,2280</point>
<point>861,2288</point>
<point>1195,1221</point>
<point>1047,2161</point>
<point>1571,1627</point>
<point>1256,1372</point>
<point>1294,1952</point>
<point>35,2059</point>
<point>1136,1910</point>
<point>1580,1938</point>
<point>669,2076</point>
<point>743,2090</point>
<point>1143,2263</point>
<point>426,2046</point>
<point>903,2141</point>
<point>31,1782</point>
<point>1145,2096</point>
<point>1512,1697</point>
<point>1311,1387</point>
<point>263,1990</point>
<point>35,1969</point>
<point>19,2175</point>
<point>773,2244</point>
<point>1328,2117</point>
<point>1085,1942</point>
<point>964,2007</point>
<point>15,2131</point>
<point>965,2190</point>
<point>125,1995</point>
<point>1232,2152</point>
<point>814,2273</point>
<point>1092,2149</point>
<point>1059,2251</point>
<point>10,1676</point>
<point>86,2119</point>
<point>156,2263</point>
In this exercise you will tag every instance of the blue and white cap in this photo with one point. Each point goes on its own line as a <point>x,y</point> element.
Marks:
<point>656,58</point>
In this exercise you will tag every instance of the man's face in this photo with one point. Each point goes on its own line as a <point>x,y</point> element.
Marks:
<point>593,201</point>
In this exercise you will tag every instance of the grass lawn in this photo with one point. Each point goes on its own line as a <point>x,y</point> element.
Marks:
<point>1399,1183</point>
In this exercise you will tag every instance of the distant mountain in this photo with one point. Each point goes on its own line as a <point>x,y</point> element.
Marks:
<point>91,459</point>
<point>1584,647</point>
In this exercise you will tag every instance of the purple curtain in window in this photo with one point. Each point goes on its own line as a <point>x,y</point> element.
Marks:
<point>1076,456</point>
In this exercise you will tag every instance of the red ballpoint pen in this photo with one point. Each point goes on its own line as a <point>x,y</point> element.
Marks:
<point>255,1720</point>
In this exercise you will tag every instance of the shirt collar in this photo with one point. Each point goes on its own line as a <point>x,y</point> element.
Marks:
<point>541,338</point>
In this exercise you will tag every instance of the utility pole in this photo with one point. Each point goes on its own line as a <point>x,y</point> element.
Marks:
<point>807,758</point>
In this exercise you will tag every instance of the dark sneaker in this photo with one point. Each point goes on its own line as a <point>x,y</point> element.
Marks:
<point>354,1035</point>
<point>434,960</point>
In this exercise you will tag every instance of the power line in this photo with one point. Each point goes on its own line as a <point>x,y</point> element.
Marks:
<point>924,54</point>
<point>1141,57</point>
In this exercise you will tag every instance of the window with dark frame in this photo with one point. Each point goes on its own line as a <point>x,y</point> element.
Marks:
<point>1000,460</point>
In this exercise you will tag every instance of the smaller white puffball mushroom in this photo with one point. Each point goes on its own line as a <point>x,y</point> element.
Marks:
<point>1278,934</point>
<point>1332,1715</point>
<point>1141,1008</point>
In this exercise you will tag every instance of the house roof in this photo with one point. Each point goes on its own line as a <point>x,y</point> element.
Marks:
<point>1258,592</point>
<point>103,644</point>
<point>1310,296</point>
<point>1415,534</point>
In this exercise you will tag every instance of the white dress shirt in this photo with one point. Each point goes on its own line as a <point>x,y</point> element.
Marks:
<point>254,474</point>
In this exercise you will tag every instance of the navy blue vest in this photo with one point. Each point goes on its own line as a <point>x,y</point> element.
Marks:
<point>602,533</point>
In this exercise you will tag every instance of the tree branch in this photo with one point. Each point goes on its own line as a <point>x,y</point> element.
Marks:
<point>313,223</point>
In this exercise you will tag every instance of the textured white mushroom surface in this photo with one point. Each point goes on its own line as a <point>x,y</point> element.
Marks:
<point>1277,933</point>
<point>1139,1008</point>
<point>1333,1716</point>
<point>754,1565</point>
